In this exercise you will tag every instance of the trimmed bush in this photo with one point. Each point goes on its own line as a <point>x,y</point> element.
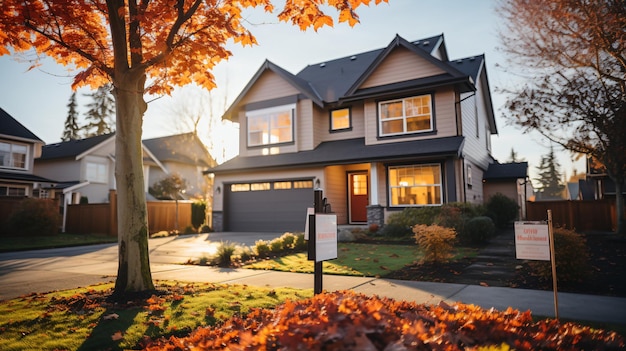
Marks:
<point>571,257</point>
<point>300,244</point>
<point>198,213</point>
<point>436,241</point>
<point>478,230</point>
<point>411,216</point>
<point>262,248</point>
<point>504,209</point>
<point>34,217</point>
<point>288,240</point>
<point>396,230</point>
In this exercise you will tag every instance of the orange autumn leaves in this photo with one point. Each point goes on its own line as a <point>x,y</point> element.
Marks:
<point>174,42</point>
<point>349,321</point>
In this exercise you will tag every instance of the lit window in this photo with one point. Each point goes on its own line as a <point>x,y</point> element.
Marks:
<point>13,155</point>
<point>415,185</point>
<point>303,184</point>
<point>340,119</point>
<point>239,187</point>
<point>270,126</point>
<point>404,116</point>
<point>359,184</point>
<point>259,186</point>
<point>282,185</point>
<point>96,172</point>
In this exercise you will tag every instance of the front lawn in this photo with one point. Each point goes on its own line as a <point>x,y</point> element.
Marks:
<point>354,259</point>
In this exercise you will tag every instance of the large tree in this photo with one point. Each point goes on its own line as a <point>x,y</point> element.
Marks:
<point>572,54</point>
<point>143,47</point>
<point>550,185</point>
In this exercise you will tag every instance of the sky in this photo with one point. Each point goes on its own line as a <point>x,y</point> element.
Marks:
<point>38,97</point>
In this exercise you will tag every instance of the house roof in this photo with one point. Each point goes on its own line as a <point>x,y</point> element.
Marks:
<point>72,148</point>
<point>9,126</point>
<point>339,79</point>
<point>24,177</point>
<point>347,152</point>
<point>184,148</point>
<point>501,171</point>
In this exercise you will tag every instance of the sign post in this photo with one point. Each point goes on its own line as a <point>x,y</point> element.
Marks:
<point>322,236</point>
<point>535,241</point>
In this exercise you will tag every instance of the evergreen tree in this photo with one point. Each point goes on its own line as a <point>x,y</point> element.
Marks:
<point>100,113</point>
<point>550,185</point>
<point>514,158</point>
<point>71,131</point>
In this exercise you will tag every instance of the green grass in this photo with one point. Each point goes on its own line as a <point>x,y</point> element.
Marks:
<point>80,319</point>
<point>353,259</point>
<point>14,243</point>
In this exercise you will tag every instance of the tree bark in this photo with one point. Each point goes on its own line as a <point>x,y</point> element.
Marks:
<point>619,207</point>
<point>134,265</point>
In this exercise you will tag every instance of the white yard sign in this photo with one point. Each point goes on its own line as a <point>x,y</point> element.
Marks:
<point>532,241</point>
<point>325,237</point>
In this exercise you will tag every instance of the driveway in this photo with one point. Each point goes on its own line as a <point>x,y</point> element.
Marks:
<point>47,270</point>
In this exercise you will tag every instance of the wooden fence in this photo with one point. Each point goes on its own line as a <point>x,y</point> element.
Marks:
<point>584,216</point>
<point>102,218</point>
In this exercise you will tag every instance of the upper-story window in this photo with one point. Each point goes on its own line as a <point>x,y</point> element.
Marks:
<point>13,155</point>
<point>340,119</point>
<point>270,125</point>
<point>408,115</point>
<point>96,172</point>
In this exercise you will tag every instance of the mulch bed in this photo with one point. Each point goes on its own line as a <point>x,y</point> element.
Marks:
<point>607,258</point>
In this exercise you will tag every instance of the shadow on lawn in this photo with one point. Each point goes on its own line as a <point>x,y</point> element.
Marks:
<point>108,334</point>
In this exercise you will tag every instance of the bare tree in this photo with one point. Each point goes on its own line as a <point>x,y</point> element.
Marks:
<point>573,56</point>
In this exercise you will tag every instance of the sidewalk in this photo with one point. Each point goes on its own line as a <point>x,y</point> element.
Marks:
<point>540,303</point>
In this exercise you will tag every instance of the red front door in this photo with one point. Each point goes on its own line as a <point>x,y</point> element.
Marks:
<point>358,199</point>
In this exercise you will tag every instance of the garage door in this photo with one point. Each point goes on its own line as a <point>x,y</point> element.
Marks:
<point>275,206</point>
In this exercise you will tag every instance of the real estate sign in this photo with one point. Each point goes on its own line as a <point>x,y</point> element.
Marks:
<point>532,241</point>
<point>325,237</point>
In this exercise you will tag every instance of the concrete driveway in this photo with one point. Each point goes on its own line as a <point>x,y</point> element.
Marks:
<point>47,270</point>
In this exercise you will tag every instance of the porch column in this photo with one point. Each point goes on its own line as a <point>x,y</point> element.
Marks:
<point>373,183</point>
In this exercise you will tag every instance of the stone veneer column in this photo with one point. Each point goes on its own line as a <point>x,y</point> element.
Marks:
<point>375,215</point>
<point>218,221</point>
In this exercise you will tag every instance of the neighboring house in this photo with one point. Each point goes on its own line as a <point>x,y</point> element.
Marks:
<point>182,154</point>
<point>18,148</point>
<point>511,180</point>
<point>598,184</point>
<point>85,168</point>
<point>378,131</point>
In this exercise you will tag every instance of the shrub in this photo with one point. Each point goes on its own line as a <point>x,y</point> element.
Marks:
<point>245,254</point>
<point>224,255</point>
<point>189,230</point>
<point>288,241</point>
<point>198,213</point>
<point>411,216</point>
<point>478,230</point>
<point>34,217</point>
<point>300,243</point>
<point>396,230</point>
<point>373,228</point>
<point>262,248</point>
<point>205,228</point>
<point>504,209</point>
<point>571,257</point>
<point>437,242</point>
<point>276,246</point>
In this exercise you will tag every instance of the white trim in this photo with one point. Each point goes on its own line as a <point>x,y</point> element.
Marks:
<point>96,147</point>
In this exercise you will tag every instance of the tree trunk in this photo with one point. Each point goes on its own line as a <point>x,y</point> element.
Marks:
<point>133,273</point>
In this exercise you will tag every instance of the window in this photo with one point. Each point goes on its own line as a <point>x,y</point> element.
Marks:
<point>259,186</point>
<point>239,187</point>
<point>404,116</point>
<point>303,184</point>
<point>282,185</point>
<point>415,185</point>
<point>13,155</point>
<point>12,191</point>
<point>340,119</point>
<point>270,126</point>
<point>96,172</point>
<point>469,176</point>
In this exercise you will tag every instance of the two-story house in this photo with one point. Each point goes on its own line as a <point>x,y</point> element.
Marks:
<point>377,131</point>
<point>18,148</point>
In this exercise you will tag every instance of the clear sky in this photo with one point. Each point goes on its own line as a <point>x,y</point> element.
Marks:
<point>38,97</point>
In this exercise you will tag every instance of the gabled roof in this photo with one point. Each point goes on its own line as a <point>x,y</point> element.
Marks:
<point>347,152</point>
<point>72,148</point>
<point>24,177</point>
<point>298,83</point>
<point>502,171</point>
<point>10,127</point>
<point>338,80</point>
<point>184,148</point>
